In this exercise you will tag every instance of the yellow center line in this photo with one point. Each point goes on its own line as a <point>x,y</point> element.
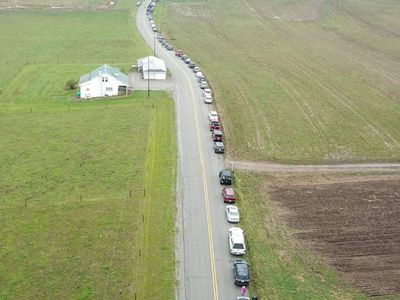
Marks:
<point>206,198</point>
<point>205,189</point>
<point>205,186</point>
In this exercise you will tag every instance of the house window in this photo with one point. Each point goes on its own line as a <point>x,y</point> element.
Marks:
<point>108,89</point>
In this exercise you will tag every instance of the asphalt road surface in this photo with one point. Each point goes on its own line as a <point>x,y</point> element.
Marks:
<point>204,263</point>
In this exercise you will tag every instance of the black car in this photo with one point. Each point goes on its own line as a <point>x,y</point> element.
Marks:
<point>191,65</point>
<point>241,273</point>
<point>219,147</point>
<point>225,177</point>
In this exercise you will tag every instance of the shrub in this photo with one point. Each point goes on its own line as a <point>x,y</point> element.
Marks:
<point>71,84</point>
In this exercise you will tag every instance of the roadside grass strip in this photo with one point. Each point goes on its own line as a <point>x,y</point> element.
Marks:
<point>156,270</point>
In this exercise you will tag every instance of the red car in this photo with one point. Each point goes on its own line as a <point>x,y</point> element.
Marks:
<point>215,126</point>
<point>229,195</point>
<point>217,136</point>
<point>178,53</point>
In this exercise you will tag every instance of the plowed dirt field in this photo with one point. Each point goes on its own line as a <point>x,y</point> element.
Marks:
<point>355,225</point>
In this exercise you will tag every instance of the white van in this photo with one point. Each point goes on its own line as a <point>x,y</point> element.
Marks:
<point>237,244</point>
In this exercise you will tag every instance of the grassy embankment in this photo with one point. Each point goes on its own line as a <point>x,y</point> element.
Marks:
<point>82,183</point>
<point>298,81</point>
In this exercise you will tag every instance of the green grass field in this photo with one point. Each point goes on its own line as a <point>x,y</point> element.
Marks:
<point>63,5</point>
<point>298,81</point>
<point>82,183</point>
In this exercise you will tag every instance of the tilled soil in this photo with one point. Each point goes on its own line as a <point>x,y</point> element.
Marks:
<point>354,225</point>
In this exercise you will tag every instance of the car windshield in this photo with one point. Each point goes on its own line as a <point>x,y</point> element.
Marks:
<point>242,270</point>
<point>238,246</point>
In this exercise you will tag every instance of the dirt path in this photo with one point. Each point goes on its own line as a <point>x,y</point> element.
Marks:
<point>340,168</point>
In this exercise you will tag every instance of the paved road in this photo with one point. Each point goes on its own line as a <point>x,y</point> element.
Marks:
<point>202,248</point>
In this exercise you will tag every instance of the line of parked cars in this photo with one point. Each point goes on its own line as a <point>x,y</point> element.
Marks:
<point>149,13</point>
<point>236,235</point>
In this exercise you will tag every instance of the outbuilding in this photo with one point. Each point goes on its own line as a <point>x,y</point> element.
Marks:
<point>103,82</point>
<point>152,68</point>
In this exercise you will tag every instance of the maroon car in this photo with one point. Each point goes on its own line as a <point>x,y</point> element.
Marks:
<point>229,195</point>
<point>215,126</point>
<point>178,53</point>
<point>217,136</point>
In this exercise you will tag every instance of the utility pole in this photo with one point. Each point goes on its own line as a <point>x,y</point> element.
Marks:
<point>162,15</point>
<point>148,77</point>
<point>154,46</point>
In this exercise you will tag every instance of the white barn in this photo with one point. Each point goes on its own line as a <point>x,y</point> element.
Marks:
<point>152,68</point>
<point>102,82</point>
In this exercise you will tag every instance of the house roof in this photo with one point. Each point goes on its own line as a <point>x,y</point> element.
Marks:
<point>105,69</point>
<point>152,63</point>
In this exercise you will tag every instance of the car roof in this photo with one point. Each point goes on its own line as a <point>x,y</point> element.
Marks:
<point>229,190</point>
<point>213,112</point>
<point>236,230</point>
<point>221,144</point>
<point>242,269</point>
<point>232,207</point>
<point>218,132</point>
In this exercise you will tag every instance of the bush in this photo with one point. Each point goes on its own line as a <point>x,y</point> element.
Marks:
<point>71,84</point>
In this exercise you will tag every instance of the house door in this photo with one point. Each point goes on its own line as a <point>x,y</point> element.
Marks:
<point>121,90</point>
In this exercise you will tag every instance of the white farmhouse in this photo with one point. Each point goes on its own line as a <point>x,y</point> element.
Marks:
<point>152,68</point>
<point>102,82</point>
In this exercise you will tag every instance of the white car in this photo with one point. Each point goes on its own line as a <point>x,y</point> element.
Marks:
<point>207,98</point>
<point>203,84</point>
<point>213,116</point>
<point>236,241</point>
<point>232,214</point>
<point>198,74</point>
<point>207,91</point>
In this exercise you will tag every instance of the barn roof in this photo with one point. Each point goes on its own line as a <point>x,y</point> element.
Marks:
<point>152,64</point>
<point>105,69</point>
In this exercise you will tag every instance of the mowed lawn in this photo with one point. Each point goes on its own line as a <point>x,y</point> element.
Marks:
<point>298,81</point>
<point>87,189</point>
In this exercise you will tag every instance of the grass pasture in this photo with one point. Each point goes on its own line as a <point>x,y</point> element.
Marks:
<point>77,38</point>
<point>81,184</point>
<point>82,174</point>
<point>64,5</point>
<point>298,81</point>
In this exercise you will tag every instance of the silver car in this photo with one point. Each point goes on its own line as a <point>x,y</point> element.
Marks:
<point>232,214</point>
